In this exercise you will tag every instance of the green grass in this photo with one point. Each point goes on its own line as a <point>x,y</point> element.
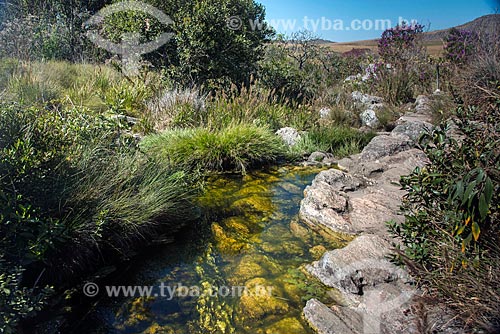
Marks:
<point>232,148</point>
<point>339,140</point>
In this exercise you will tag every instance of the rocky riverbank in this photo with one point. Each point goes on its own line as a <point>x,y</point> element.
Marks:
<point>375,295</point>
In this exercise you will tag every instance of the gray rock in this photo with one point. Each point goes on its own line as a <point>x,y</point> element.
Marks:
<point>131,121</point>
<point>289,135</point>
<point>336,180</point>
<point>360,264</point>
<point>317,157</point>
<point>392,167</point>
<point>369,118</point>
<point>326,321</point>
<point>355,78</point>
<point>413,129</point>
<point>382,146</point>
<point>423,104</point>
<point>325,113</point>
<point>367,101</point>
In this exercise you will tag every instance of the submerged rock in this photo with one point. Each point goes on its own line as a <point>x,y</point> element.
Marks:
<point>286,326</point>
<point>226,243</point>
<point>317,251</point>
<point>262,301</point>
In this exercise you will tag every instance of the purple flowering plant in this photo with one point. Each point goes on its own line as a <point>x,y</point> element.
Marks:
<point>399,43</point>
<point>460,45</point>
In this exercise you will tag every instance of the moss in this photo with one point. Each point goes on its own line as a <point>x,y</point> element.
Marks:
<point>317,251</point>
<point>226,243</point>
<point>138,311</point>
<point>259,305</point>
<point>157,329</point>
<point>286,326</point>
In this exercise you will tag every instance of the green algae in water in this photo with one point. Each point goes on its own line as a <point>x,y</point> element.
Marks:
<point>251,238</point>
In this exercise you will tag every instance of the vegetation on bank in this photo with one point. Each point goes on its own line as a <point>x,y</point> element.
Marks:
<point>95,162</point>
<point>451,235</point>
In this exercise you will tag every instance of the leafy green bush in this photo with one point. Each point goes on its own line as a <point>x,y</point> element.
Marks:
<point>236,147</point>
<point>452,209</point>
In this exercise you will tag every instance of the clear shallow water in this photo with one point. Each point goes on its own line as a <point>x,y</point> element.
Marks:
<point>250,239</point>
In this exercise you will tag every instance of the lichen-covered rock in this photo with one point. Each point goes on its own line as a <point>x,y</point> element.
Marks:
<point>323,208</point>
<point>325,321</point>
<point>336,180</point>
<point>360,264</point>
<point>382,146</point>
<point>423,104</point>
<point>369,118</point>
<point>367,101</point>
<point>412,129</point>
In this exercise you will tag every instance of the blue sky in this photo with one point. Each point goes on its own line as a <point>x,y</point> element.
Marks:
<point>323,16</point>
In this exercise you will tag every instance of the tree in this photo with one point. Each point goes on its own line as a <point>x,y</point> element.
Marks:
<point>212,52</point>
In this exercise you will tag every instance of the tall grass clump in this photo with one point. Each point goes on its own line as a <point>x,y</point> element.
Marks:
<point>235,147</point>
<point>260,106</point>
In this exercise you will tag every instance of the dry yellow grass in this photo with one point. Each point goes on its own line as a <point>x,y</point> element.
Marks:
<point>434,48</point>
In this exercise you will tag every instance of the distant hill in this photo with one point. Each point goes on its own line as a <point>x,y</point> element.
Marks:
<point>484,25</point>
<point>322,41</point>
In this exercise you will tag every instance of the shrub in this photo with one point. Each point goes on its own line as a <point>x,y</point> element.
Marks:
<point>479,82</point>
<point>401,44</point>
<point>280,72</point>
<point>405,69</point>
<point>460,45</point>
<point>452,210</point>
<point>236,147</point>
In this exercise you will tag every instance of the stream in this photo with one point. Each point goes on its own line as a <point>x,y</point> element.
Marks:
<point>239,270</point>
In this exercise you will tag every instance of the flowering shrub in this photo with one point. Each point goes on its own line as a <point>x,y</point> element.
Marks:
<point>400,44</point>
<point>460,45</point>
<point>403,69</point>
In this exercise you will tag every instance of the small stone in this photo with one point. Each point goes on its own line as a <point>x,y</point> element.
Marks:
<point>289,135</point>
<point>369,119</point>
